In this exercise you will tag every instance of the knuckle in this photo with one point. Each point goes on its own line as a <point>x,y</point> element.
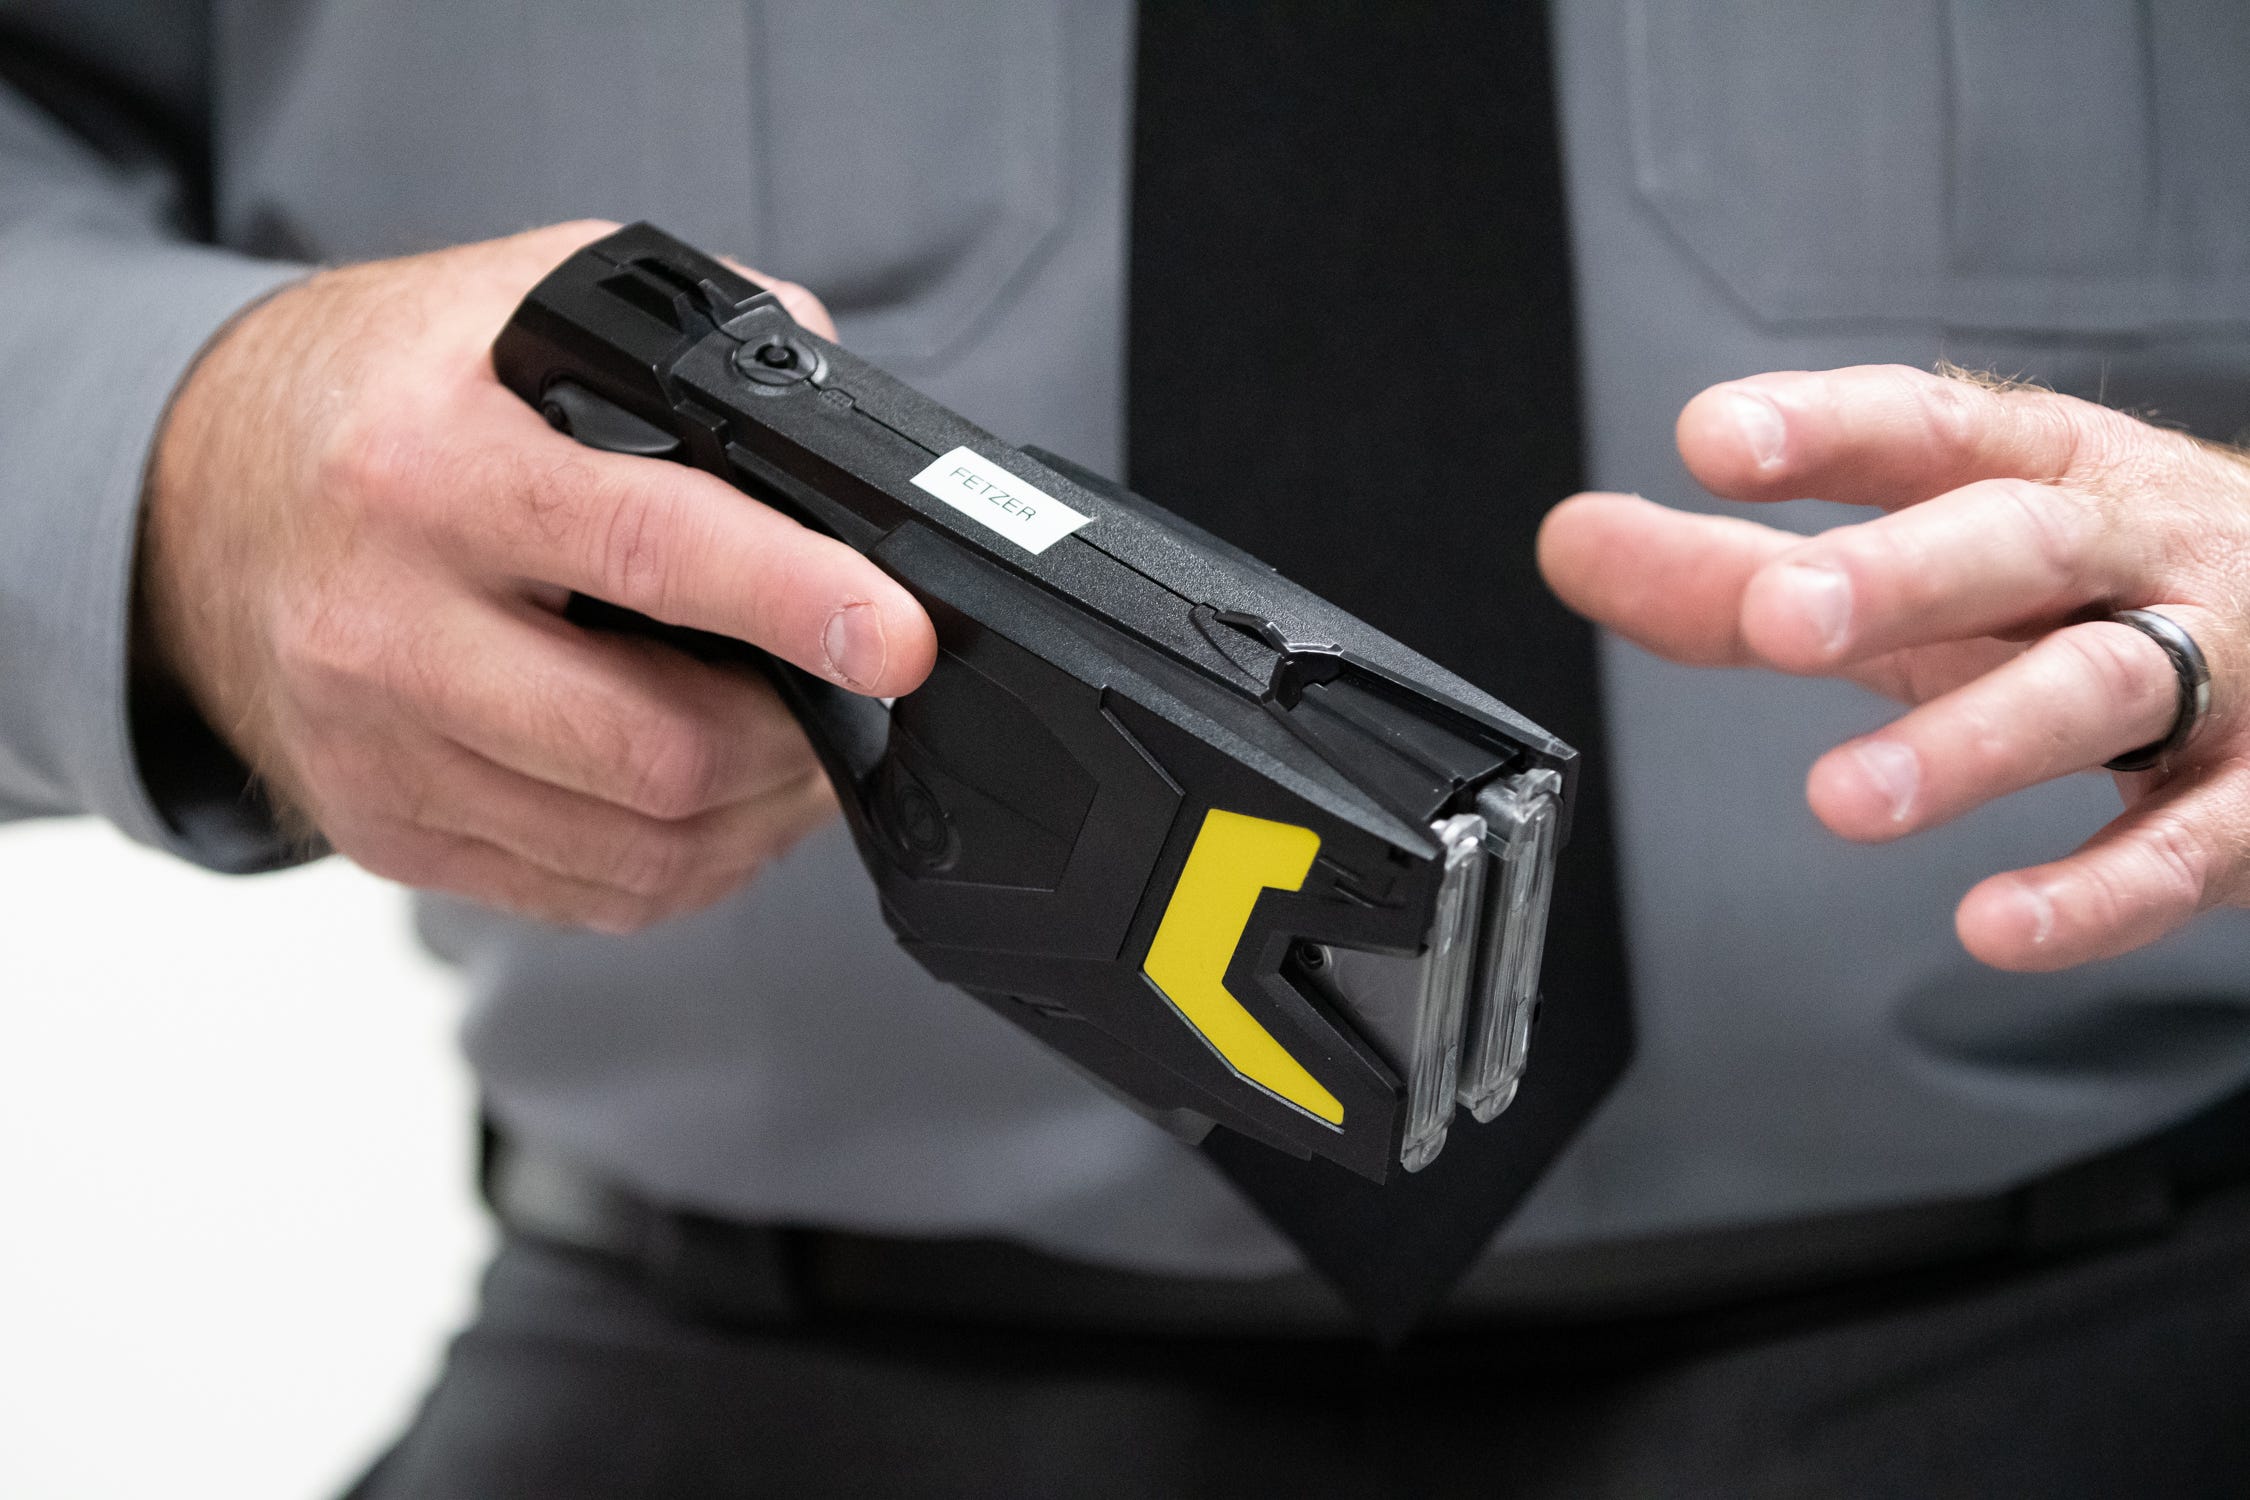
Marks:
<point>373,462</point>
<point>394,793</point>
<point>1965,408</point>
<point>2099,444</point>
<point>420,798</point>
<point>2161,872</point>
<point>676,773</point>
<point>536,501</point>
<point>631,560</point>
<point>1955,414</point>
<point>1884,553</point>
<point>2189,509</point>
<point>336,648</point>
<point>2077,433</point>
<point>793,758</point>
<point>2174,864</point>
<point>329,645</point>
<point>656,863</point>
<point>618,914</point>
<point>329,769</point>
<point>2114,667</point>
<point>1989,743</point>
<point>396,852</point>
<point>2050,527</point>
<point>713,888</point>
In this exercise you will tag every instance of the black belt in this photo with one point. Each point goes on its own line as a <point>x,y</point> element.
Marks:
<point>772,1275</point>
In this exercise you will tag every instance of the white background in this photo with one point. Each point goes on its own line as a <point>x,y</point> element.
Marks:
<point>236,1222</point>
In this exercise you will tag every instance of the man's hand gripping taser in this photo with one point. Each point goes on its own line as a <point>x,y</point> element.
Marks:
<point>1245,860</point>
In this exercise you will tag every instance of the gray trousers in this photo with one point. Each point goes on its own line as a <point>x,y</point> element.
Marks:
<point>2121,1373</point>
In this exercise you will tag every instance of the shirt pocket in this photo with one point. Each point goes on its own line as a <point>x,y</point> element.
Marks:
<point>2070,166</point>
<point>910,161</point>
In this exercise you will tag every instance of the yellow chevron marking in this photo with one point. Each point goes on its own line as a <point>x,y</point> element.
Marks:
<point>1235,857</point>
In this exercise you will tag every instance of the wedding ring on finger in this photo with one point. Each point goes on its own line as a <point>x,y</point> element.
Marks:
<point>2194,674</point>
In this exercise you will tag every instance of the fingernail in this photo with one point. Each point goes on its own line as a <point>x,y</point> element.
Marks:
<point>1894,770</point>
<point>855,646</point>
<point>2038,910</point>
<point>1761,425</point>
<point>1823,596</point>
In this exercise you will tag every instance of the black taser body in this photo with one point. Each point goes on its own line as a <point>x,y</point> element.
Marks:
<point>1182,820</point>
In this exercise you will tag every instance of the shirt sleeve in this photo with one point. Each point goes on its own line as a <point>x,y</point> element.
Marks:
<point>104,303</point>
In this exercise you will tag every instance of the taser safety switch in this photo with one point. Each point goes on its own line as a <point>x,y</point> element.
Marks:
<point>1256,867</point>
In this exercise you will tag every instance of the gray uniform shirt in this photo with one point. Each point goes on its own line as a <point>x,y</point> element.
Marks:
<point>1755,184</point>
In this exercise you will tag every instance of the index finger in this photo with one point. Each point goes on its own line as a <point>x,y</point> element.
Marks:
<point>1883,435</point>
<point>686,548</point>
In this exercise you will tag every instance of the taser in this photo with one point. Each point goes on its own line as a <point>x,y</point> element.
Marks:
<point>1271,877</point>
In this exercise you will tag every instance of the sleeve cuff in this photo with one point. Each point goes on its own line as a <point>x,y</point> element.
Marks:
<point>98,331</point>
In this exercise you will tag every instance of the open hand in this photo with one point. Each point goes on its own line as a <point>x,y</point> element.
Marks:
<point>2015,521</point>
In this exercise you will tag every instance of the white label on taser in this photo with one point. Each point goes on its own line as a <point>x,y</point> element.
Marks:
<point>983,491</point>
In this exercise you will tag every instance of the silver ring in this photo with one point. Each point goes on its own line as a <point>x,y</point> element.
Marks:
<point>2195,688</point>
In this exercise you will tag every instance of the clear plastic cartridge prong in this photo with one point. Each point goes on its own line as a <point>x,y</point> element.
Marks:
<point>1520,816</point>
<point>1448,969</point>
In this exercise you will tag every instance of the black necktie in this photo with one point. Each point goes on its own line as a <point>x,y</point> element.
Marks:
<point>1352,352</point>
